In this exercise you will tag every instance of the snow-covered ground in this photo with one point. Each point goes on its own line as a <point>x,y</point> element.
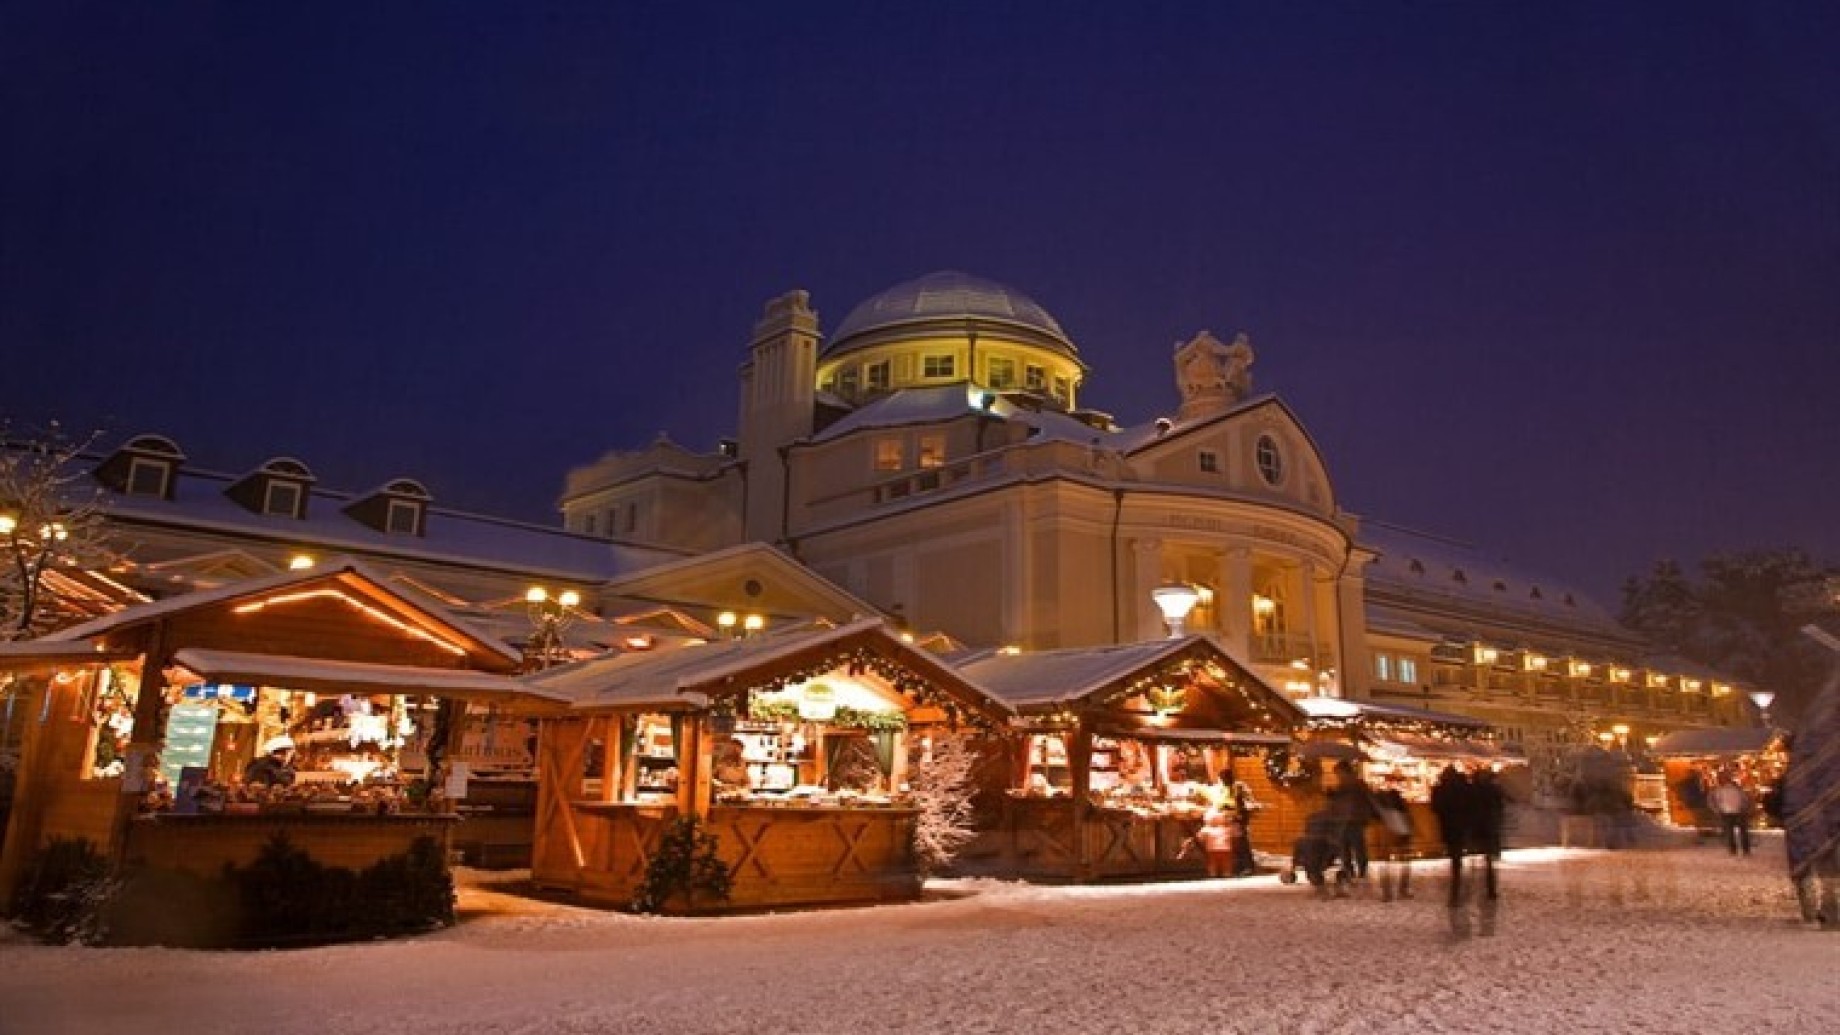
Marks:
<point>1682,940</point>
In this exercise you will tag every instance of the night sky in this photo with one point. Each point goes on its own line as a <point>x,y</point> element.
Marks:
<point>1559,279</point>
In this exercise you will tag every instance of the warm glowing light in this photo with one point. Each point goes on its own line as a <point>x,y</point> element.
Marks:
<point>309,698</point>
<point>396,623</point>
<point>1175,601</point>
<point>753,623</point>
<point>1262,604</point>
<point>1535,663</point>
<point>1657,680</point>
<point>907,637</point>
<point>536,595</point>
<point>1580,669</point>
<point>1691,685</point>
<point>1621,730</point>
<point>1651,741</point>
<point>1762,699</point>
<point>569,598</point>
<point>7,523</point>
<point>1486,655</point>
<point>1607,737</point>
<point>1009,649</point>
<point>1300,664</point>
<point>1619,674</point>
<point>727,620</point>
<point>1721,689</point>
<point>638,643</point>
<point>300,562</point>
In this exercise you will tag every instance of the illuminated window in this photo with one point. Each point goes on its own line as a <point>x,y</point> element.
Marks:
<point>1035,378</point>
<point>1271,462</point>
<point>889,454</point>
<point>148,477</point>
<point>1209,460</point>
<point>1408,670</point>
<point>1383,667</point>
<point>282,498</point>
<point>1063,389</point>
<point>1002,372</point>
<point>875,376</point>
<point>938,366</point>
<point>932,451</point>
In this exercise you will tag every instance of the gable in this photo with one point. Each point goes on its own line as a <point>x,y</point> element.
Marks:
<point>1255,451</point>
<point>749,579</point>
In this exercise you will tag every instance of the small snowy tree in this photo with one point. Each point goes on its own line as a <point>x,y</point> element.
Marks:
<point>942,788</point>
<point>50,517</point>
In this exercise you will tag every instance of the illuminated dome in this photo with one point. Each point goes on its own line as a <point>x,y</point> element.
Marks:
<point>947,298</point>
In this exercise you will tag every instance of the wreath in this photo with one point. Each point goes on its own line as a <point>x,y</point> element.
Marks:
<point>1285,770</point>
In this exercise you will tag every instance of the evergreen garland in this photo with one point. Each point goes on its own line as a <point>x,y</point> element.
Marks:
<point>685,863</point>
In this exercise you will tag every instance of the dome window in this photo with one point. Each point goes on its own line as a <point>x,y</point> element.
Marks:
<point>938,366</point>
<point>875,376</point>
<point>1270,460</point>
<point>1002,372</point>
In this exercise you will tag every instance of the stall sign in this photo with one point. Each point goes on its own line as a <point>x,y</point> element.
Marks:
<point>220,691</point>
<point>818,703</point>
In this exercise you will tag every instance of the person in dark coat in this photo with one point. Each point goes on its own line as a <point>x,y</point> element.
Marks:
<point>1451,803</point>
<point>1353,804</point>
<point>1488,813</point>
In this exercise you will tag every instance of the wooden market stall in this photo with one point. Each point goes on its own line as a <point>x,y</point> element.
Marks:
<point>1120,758</point>
<point>1693,761</point>
<point>1413,744</point>
<point>144,721</point>
<point>793,749</point>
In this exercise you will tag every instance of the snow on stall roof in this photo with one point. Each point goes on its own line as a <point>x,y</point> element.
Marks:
<point>329,567</point>
<point>451,536</point>
<point>284,670</point>
<point>1036,678</point>
<point>1344,708</point>
<point>1733,740</point>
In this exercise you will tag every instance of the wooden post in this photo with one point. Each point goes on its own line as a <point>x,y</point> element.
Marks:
<point>699,755</point>
<point>145,743</point>
<point>27,820</point>
<point>1079,767</point>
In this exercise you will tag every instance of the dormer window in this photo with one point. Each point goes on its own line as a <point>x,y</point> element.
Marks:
<point>1459,578</point>
<point>282,498</point>
<point>148,477</point>
<point>401,508</point>
<point>146,466</point>
<point>404,517</point>
<point>282,487</point>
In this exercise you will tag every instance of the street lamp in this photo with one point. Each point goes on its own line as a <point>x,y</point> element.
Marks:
<point>1763,699</point>
<point>548,617</point>
<point>1175,601</point>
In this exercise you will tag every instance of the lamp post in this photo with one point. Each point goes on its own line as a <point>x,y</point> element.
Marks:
<point>1763,699</point>
<point>548,617</point>
<point>1175,601</point>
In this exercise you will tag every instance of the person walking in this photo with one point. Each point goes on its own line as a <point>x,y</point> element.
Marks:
<point>1353,804</point>
<point>1732,806</point>
<point>1396,817</point>
<point>1451,803</point>
<point>1488,815</point>
<point>1240,807</point>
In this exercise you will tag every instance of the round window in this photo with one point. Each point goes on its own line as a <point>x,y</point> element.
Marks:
<point>1271,462</point>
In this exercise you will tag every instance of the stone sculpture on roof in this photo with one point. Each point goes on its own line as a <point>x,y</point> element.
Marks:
<point>1212,376</point>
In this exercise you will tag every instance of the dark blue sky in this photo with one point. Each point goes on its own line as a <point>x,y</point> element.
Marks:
<point>1561,279</point>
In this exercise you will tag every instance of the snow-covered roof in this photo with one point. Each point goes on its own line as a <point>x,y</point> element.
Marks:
<point>332,567</point>
<point>449,536</point>
<point>1343,708</point>
<point>349,676</point>
<point>1037,679</point>
<point>1732,740</point>
<point>1458,574</point>
<point>681,676</point>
